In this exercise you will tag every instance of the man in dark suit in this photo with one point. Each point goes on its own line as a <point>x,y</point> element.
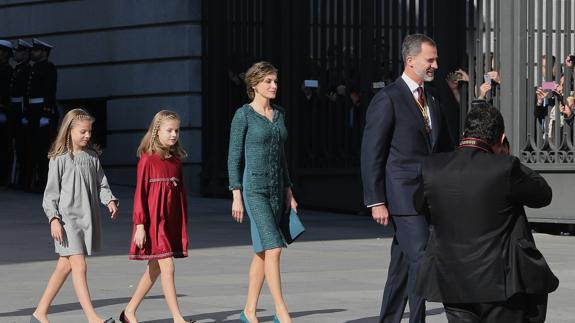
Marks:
<point>402,128</point>
<point>481,260</point>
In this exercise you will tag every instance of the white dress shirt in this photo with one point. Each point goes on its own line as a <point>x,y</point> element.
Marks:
<point>413,88</point>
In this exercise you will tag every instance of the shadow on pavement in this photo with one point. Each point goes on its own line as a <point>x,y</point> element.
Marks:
<point>224,316</point>
<point>26,233</point>
<point>68,307</point>
<point>372,319</point>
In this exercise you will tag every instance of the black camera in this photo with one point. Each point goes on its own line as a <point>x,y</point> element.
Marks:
<point>555,98</point>
<point>558,97</point>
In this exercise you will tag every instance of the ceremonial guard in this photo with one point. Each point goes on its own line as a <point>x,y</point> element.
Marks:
<point>5,138</point>
<point>41,111</point>
<point>18,86</point>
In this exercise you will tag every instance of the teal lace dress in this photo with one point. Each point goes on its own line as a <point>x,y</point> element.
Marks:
<point>257,166</point>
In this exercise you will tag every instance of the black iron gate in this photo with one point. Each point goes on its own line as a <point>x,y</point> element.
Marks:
<point>332,55</point>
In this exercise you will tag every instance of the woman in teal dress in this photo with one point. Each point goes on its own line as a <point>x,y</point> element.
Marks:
<point>260,183</point>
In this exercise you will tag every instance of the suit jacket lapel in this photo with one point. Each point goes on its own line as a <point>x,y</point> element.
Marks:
<point>411,104</point>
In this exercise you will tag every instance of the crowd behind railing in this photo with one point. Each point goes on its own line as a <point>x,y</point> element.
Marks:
<point>333,116</point>
<point>550,139</point>
<point>334,112</point>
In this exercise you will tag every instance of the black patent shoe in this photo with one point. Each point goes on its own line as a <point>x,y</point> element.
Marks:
<point>123,318</point>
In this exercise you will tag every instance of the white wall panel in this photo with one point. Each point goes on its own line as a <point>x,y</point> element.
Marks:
<point>137,113</point>
<point>75,16</point>
<point>121,147</point>
<point>157,42</point>
<point>129,79</point>
<point>141,55</point>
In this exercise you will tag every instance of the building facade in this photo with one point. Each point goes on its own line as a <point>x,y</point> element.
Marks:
<point>123,61</point>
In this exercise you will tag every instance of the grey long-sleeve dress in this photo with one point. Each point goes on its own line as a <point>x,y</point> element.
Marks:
<point>73,191</point>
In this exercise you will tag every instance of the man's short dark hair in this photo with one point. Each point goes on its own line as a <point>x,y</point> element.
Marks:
<point>485,123</point>
<point>412,44</point>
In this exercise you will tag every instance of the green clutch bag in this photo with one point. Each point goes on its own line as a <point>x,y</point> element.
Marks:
<point>291,226</point>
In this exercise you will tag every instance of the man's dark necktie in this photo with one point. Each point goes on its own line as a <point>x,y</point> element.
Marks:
<point>422,109</point>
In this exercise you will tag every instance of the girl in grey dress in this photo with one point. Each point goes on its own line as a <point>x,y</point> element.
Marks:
<point>76,185</point>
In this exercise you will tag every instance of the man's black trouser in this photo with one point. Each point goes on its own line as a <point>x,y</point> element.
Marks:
<point>521,308</point>
<point>409,241</point>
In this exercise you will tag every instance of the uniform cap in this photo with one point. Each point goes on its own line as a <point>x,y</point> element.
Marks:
<point>5,44</point>
<point>21,44</point>
<point>38,43</point>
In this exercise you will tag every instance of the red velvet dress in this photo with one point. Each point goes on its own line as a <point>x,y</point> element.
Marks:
<point>160,204</point>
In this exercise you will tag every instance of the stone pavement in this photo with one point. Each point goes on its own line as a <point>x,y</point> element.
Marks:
<point>335,273</point>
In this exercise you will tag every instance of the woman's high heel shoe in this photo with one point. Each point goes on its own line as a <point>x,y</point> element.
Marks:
<point>276,320</point>
<point>123,318</point>
<point>243,318</point>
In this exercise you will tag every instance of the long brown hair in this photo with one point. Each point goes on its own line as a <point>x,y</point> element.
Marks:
<point>150,143</point>
<point>63,142</point>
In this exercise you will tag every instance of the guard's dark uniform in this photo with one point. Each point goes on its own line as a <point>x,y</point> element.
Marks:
<point>18,103</point>
<point>42,92</point>
<point>5,77</point>
<point>5,133</point>
<point>41,114</point>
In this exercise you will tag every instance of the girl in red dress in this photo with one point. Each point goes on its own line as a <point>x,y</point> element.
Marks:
<point>160,212</point>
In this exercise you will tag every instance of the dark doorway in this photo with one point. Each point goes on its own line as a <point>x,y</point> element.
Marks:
<point>346,49</point>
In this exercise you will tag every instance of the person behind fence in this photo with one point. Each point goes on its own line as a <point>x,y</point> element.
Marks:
<point>488,89</point>
<point>20,177</point>
<point>567,109</point>
<point>160,214</point>
<point>546,94</point>
<point>76,184</point>
<point>450,98</point>
<point>41,110</point>
<point>454,81</point>
<point>402,127</point>
<point>543,68</point>
<point>5,135</point>
<point>481,261</point>
<point>567,106</point>
<point>548,99</point>
<point>260,184</point>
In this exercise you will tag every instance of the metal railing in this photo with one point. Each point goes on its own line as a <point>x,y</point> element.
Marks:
<point>354,49</point>
<point>523,35</point>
